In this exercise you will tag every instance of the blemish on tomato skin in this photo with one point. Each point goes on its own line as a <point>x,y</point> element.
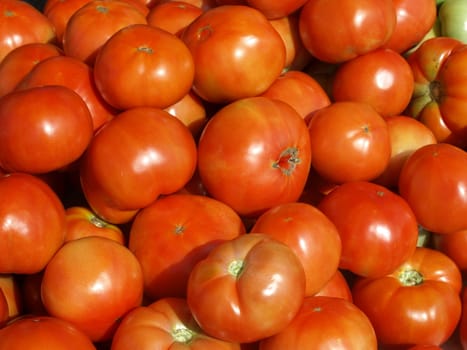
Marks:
<point>204,33</point>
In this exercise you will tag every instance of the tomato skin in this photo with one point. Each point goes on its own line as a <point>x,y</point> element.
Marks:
<point>372,245</point>
<point>418,303</point>
<point>173,16</point>
<point>337,319</point>
<point>368,25</point>
<point>218,35</point>
<point>258,284</point>
<point>266,147</point>
<point>32,221</point>
<point>165,166</point>
<point>37,126</point>
<point>337,287</point>
<point>349,142</point>
<point>172,234</point>
<point>43,332</point>
<point>442,168</point>
<point>276,9</point>
<point>110,284</point>
<point>164,324</point>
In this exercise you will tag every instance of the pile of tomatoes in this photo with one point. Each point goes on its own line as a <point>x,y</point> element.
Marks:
<point>233,174</point>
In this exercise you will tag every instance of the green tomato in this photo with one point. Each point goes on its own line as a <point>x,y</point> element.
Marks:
<point>452,17</point>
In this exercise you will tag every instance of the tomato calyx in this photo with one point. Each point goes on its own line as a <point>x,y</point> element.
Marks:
<point>102,9</point>
<point>145,49</point>
<point>236,267</point>
<point>287,161</point>
<point>435,91</point>
<point>410,277</point>
<point>182,334</point>
<point>98,222</point>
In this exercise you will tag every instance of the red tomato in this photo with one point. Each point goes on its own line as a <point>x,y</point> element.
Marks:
<point>247,52</point>
<point>339,30</point>
<point>152,152</point>
<point>325,323</point>
<point>21,23</point>
<point>377,227</point>
<point>246,289</point>
<point>43,332</point>
<point>433,182</point>
<point>164,324</point>
<point>337,287</point>
<point>32,221</point>
<point>349,142</point>
<point>172,234</point>
<point>453,245</point>
<point>74,74</point>
<point>173,16</point>
<point>37,126</point>
<point>94,23</point>
<point>417,303</point>
<point>92,282</point>
<point>381,78</point>
<point>19,61</point>
<point>310,234</point>
<point>299,90</point>
<point>254,154</point>
<point>414,19</point>
<point>276,9</point>
<point>143,66</point>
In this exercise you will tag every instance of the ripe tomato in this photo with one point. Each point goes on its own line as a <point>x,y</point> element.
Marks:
<point>92,282</point>
<point>337,287</point>
<point>377,227</point>
<point>43,332</point>
<point>247,52</point>
<point>417,303</point>
<point>143,66</point>
<point>152,152</point>
<point>173,16</point>
<point>254,154</point>
<point>37,126</point>
<point>172,234</point>
<point>325,323</point>
<point>310,234</point>
<point>32,223</point>
<point>164,324</point>
<point>338,30</point>
<point>454,246</point>
<point>276,9</point>
<point>441,168</point>
<point>381,78</point>
<point>349,142</point>
<point>246,289</point>
<point>21,23</point>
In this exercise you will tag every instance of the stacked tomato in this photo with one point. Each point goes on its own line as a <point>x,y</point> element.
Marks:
<point>221,174</point>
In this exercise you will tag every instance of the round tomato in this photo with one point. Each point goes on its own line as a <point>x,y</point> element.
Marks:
<point>339,30</point>
<point>378,229</point>
<point>433,181</point>
<point>173,16</point>
<point>92,282</point>
<point>349,142</point>
<point>276,9</point>
<point>417,303</point>
<point>236,51</point>
<point>246,289</point>
<point>254,154</point>
<point>337,287</point>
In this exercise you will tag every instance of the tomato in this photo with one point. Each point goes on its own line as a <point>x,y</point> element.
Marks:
<point>381,78</point>
<point>173,16</point>
<point>325,323</point>
<point>43,332</point>
<point>349,142</point>
<point>82,222</point>
<point>378,229</point>
<point>414,20</point>
<point>310,234</point>
<point>152,152</point>
<point>452,19</point>
<point>417,303</point>
<point>299,90</point>
<point>336,287</point>
<point>78,76</point>
<point>110,284</point>
<point>432,181</point>
<point>276,9</point>
<point>254,154</point>
<point>94,23</point>
<point>19,61</point>
<point>338,30</point>
<point>246,289</point>
<point>143,66</point>
<point>164,324</point>
<point>172,234</point>
<point>32,222</point>
<point>247,52</point>
<point>37,126</point>
<point>20,24</point>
